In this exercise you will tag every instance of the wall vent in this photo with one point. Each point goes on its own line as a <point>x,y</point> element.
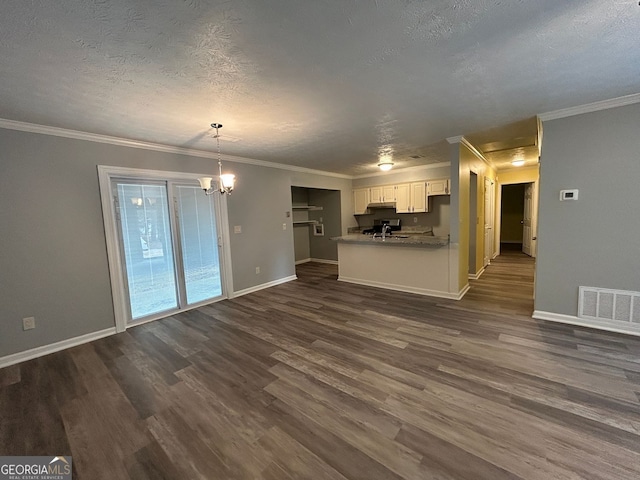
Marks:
<point>609,305</point>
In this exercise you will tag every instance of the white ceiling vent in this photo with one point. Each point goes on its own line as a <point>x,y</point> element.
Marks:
<point>609,305</point>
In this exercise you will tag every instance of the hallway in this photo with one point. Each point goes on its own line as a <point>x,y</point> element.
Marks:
<point>506,286</point>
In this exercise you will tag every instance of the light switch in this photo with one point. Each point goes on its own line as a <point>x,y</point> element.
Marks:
<point>237,229</point>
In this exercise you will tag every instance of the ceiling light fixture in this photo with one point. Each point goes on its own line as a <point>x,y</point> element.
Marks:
<point>227,180</point>
<point>385,166</point>
<point>517,163</point>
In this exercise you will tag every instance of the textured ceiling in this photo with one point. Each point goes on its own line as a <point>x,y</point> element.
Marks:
<point>328,84</point>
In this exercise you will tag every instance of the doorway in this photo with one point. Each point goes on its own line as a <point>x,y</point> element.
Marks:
<point>166,244</point>
<point>518,218</point>
<point>316,219</point>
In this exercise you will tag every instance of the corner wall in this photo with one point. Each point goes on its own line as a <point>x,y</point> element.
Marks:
<point>594,241</point>
<point>461,189</point>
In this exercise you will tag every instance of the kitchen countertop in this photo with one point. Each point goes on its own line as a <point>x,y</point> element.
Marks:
<point>410,240</point>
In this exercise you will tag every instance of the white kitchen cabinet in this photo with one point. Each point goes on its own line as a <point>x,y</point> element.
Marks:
<point>411,198</point>
<point>419,197</point>
<point>439,187</point>
<point>403,198</point>
<point>383,193</point>
<point>361,198</point>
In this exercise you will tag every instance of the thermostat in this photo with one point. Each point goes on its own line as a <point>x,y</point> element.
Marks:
<point>568,195</point>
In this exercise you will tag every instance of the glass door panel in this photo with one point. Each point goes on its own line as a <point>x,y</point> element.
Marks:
<point>145,231</point>
<point>199,244</point>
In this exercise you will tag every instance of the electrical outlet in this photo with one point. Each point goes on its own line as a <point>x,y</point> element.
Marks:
<point>28,323</point>
<point>284,226</point>
<point>257,270</point>
<point>415,219</point>
<point>237,229</point>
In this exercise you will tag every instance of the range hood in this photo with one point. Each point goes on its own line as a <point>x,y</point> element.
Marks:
<point>382,205</point>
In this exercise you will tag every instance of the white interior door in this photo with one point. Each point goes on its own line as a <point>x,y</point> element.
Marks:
<point>527,230</point>
<point>489,212</point>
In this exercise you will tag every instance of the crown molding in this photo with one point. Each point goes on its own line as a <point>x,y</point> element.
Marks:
<point>403,170</point>
<point>125,142</point>
<point>590,107</point>
<point>456,139</point>
<point>477,153</point>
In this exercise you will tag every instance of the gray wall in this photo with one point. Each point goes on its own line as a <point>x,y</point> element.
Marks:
<point>323,247</point>
<point>594,241</point>
<point>54,262</point>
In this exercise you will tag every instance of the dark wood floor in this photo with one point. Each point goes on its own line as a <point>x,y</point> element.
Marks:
<point>317,379</point>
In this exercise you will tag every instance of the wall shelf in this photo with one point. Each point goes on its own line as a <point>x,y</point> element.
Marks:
<point>308,208</point>
<point>305,222</point>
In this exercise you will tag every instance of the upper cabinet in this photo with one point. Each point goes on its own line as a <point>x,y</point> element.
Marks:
<point>383,194</point>
<point>361,198</point>
<point>439,187</point>
<point>411,198</point>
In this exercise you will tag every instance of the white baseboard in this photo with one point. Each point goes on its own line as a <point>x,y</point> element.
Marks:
<point>54,347</point>
<point>402,288</point>
<point>262,286</point>
<point>462,292</point>
<point>317,260</point>
<point>322,260</point>
<point>476,276</point>
<point>616,327</point>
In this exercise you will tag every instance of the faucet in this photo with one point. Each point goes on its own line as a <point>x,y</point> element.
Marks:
<point>385,229</point>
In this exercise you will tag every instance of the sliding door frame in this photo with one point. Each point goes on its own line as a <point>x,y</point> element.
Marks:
<point>114,255</point>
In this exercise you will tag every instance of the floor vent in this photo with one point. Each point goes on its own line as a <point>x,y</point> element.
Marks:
<point>606,304</point>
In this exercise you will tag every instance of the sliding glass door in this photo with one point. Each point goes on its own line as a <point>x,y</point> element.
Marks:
<point>199,242</point>
<point>169,246</point>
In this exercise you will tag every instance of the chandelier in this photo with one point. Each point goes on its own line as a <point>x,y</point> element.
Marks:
<point>227,180</point>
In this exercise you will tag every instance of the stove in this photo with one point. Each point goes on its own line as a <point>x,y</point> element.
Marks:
<point>394,225</point>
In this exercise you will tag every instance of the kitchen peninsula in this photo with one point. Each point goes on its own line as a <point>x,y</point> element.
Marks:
<point>409,263</point>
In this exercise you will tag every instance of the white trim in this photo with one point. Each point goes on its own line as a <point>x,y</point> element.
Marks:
<point>630,329</point>
<point>403,288</point>
<point>463,292</point>
<point>124,142</point>
<point>54,347</point>
<point>475,276</point>
<point>322,260</point>
<point>114,258</point>
<point>462,140</point>
<point>590,107</point>
<point>403,170</point>
<point>478,153</point>
<point>262,286</point>
<point>304,260</point>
